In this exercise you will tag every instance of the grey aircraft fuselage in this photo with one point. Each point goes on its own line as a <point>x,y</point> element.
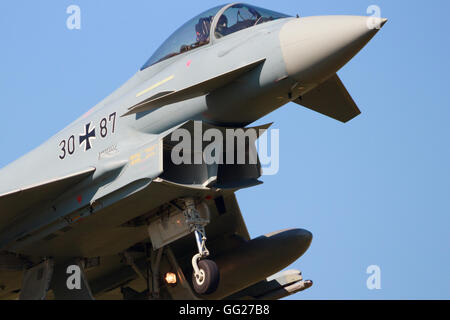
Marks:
<point>288,58</point>
<point>238,104</point>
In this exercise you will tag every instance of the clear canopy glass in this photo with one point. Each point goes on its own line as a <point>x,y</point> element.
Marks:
<point>242,16</point>
<point>196,32</point>
<point>191,35</point>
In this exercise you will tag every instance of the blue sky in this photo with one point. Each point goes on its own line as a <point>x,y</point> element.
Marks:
<point>375,191</point>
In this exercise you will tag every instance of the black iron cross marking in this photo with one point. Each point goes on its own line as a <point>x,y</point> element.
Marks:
<point>87,136</point>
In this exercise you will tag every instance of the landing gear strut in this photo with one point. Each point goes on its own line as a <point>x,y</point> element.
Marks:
<point>205,277</point>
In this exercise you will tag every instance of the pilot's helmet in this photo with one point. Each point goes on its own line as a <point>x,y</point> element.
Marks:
<point>223,21</point>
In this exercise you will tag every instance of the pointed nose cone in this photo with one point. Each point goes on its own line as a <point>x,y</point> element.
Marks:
<point>316,47</point>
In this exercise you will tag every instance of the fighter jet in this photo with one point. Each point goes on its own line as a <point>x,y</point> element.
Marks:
<point>101,210</point>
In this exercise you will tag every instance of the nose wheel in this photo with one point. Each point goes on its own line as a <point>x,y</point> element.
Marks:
<point>206,280</point>
<point>206,276</point>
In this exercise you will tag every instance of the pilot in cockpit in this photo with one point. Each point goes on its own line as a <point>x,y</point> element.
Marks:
<point>204,24</point>
<point>202,29</point>
<point>222,27</point>
<point>197,32</point>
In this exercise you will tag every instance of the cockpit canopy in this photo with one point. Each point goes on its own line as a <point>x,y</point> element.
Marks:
<point>196,32</point>
<point>242,16</point>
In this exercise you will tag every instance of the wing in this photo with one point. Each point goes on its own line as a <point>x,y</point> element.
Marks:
<point>225,234</point>
<point>17,201</point>
<point>113,274</point>
<point>332,99</point>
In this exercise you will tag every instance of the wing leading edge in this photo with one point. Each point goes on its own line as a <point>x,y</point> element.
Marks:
<point>17,201</point>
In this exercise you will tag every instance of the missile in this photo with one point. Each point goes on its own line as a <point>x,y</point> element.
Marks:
<point>258,259</point>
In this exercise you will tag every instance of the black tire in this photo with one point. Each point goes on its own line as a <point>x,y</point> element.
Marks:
<point>211,277</point>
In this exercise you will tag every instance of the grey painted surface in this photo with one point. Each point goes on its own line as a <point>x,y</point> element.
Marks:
<point>297,54</point>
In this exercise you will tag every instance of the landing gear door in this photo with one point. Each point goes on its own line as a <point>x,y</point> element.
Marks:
<point>36,281</point>
<point>167,229</point>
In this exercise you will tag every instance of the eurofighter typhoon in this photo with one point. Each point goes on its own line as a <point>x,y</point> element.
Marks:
<point>125,203</point>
